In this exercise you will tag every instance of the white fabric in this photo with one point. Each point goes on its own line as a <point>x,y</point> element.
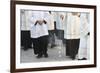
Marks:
<point>84,48</point>
<point>38,15</point>
<point>38,30</point>
<point>72,27</point>
<point>60,22</point>
<point>51,21</point>
<point>84,39</point>
<point>22,20</point>
<point>25,23</point>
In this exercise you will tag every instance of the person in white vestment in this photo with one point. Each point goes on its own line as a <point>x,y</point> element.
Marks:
<point>60,25</point>
<point>25,30</point>
<point>72,34</point>
<point>83,53</point>
<point>39,32</point>
<point>51,28</point>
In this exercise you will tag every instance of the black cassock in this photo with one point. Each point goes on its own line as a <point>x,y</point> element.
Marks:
<point>72,46</point>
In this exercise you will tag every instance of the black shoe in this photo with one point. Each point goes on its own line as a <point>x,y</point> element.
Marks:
<point>83,59</point>
<point>35,53</point>
<point>25,49</point>
<point>39,56</point>
<point>46,55</point>
<point>73,57</point>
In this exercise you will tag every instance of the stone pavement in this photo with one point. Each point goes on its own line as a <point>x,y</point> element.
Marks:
<point>55,54</point>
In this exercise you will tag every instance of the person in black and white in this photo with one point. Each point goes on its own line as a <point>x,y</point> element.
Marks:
<point>51,29</point>
<point>61,25</point>
<point>72,34</point>
<point>25,30</point>
<point>39,33</point>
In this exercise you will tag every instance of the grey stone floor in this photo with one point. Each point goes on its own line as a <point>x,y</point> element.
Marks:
<point>55,54</point>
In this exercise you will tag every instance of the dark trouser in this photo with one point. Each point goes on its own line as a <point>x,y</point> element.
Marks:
<point>72,46</point>
<point>60,35</point>
<point>52,37</point>
<point>40,45</point>
<point>25,39</point>
<point>35,42</point>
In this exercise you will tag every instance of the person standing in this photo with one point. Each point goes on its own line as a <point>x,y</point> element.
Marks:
<point>51,28</point>
<point>84,39</point>
<point>25,30</point>
<point>39,32</point>
<point>60,25</point>
<point>72,34</point>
